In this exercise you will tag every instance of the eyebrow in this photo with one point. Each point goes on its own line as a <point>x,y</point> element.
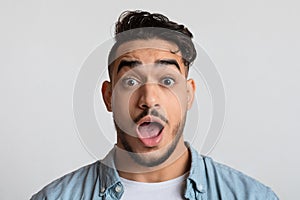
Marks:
<point>127,63</point>
<point>135,63</point>
<point>168,62</point>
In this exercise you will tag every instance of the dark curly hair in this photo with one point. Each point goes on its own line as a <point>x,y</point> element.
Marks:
<point>133,25</point>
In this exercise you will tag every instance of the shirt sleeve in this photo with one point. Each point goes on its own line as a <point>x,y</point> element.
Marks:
<point>271,195</point>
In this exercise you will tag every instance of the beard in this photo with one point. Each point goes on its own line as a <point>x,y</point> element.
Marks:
<point>157,157</point>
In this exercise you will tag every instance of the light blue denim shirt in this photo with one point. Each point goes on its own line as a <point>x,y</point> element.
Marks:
<point>207,180</point>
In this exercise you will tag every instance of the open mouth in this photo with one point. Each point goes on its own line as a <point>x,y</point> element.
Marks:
<point>147,130</point>
<point>150,131</point>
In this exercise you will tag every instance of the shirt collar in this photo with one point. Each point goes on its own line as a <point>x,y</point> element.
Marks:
<point>197,171</point>
<point>109,176</point>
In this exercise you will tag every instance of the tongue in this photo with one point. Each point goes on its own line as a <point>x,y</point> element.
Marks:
<point>149,130</point>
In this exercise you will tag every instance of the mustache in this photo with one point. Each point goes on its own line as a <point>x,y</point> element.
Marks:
<point>151,112</point>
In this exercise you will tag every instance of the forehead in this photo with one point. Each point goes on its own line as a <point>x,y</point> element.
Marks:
<point>148,50</point>
<point>145,52</point>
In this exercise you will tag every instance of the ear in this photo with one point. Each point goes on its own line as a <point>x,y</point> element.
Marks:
<point>106,94</point>
<point>191,88</point>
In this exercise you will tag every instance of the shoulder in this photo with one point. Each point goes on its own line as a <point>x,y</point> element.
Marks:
<point>231,183</point>
<point>71,185</point>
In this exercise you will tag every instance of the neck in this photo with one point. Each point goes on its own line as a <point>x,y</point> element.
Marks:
<point>176,165</point>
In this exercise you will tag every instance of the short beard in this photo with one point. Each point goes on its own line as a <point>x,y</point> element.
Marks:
<point>139,158</point>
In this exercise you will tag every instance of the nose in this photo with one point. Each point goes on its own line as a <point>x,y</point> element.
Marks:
<point>149,96</point>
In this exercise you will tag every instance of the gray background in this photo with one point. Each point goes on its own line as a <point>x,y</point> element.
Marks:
<point>254,44</point>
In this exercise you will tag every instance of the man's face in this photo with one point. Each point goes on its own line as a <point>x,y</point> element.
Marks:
<point>149,97</point>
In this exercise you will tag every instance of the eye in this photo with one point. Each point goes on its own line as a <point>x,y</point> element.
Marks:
<point>168,81</point>
<point>129,82</point>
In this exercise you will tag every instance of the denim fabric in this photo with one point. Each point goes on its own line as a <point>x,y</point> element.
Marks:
<point>207,180</point>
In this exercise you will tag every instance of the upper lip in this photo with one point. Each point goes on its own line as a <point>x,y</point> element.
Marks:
<point>150,118</point>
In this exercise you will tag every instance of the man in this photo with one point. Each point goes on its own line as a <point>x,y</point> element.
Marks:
<point>149,95</point>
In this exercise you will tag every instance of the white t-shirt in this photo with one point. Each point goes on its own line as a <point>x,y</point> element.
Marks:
<point>171,189</point>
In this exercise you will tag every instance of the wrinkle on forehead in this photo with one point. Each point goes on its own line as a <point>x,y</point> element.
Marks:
<point>157,44</point>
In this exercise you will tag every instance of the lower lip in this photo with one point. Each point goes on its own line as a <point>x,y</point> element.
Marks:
<point>151,142</point>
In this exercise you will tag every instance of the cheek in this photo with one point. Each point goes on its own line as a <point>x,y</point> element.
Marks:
<point>133,103</point>
<point>121,102</point>
<point>175,105</point>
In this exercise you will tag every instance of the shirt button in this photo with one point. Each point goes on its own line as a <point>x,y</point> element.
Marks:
<point>118,188</point>
<point>102,190</point>
<point>200,188</point>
